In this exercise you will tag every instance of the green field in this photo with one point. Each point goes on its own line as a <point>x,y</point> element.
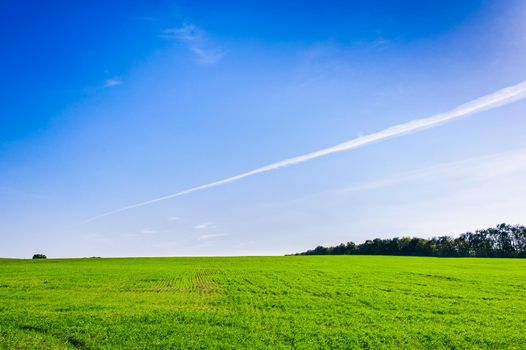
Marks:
<point>302,302</point>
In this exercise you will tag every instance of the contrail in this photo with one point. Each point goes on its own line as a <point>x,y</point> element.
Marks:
<point>501,97</point>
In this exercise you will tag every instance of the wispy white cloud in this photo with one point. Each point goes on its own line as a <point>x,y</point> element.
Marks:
<point>197,41</point>
<point>173,218</point>
<point>112,82</point>
<point>148,231</point>
<point>203,225</point>
<point>501,97</point>
<point>468,171</point>
<point>212,235</point>
<point>473,169</point>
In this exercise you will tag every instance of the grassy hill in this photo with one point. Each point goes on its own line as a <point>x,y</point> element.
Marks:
<point>263,302</point>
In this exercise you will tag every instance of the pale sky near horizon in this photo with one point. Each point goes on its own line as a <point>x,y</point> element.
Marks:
<point>108,105</point>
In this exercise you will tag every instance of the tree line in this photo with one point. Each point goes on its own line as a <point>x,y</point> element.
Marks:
<point>502,241</point>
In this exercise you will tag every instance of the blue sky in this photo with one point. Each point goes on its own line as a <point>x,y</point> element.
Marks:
<point>109,104</point>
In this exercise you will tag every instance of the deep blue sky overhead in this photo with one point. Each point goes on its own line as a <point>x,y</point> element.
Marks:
<point>110,103</point>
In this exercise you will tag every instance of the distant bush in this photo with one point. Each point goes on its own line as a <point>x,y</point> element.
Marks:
<point>39,256</point>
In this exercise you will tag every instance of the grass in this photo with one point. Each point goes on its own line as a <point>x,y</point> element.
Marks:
<point>303,302</point>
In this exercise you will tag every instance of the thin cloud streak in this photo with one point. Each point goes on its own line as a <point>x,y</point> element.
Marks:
<point>112,82</point>
<point>213,235</point>
<point>203,225</point>
<point>479,168</point>
<point>148,231</point>
<point>499,98</point>
<point>197,41</point>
